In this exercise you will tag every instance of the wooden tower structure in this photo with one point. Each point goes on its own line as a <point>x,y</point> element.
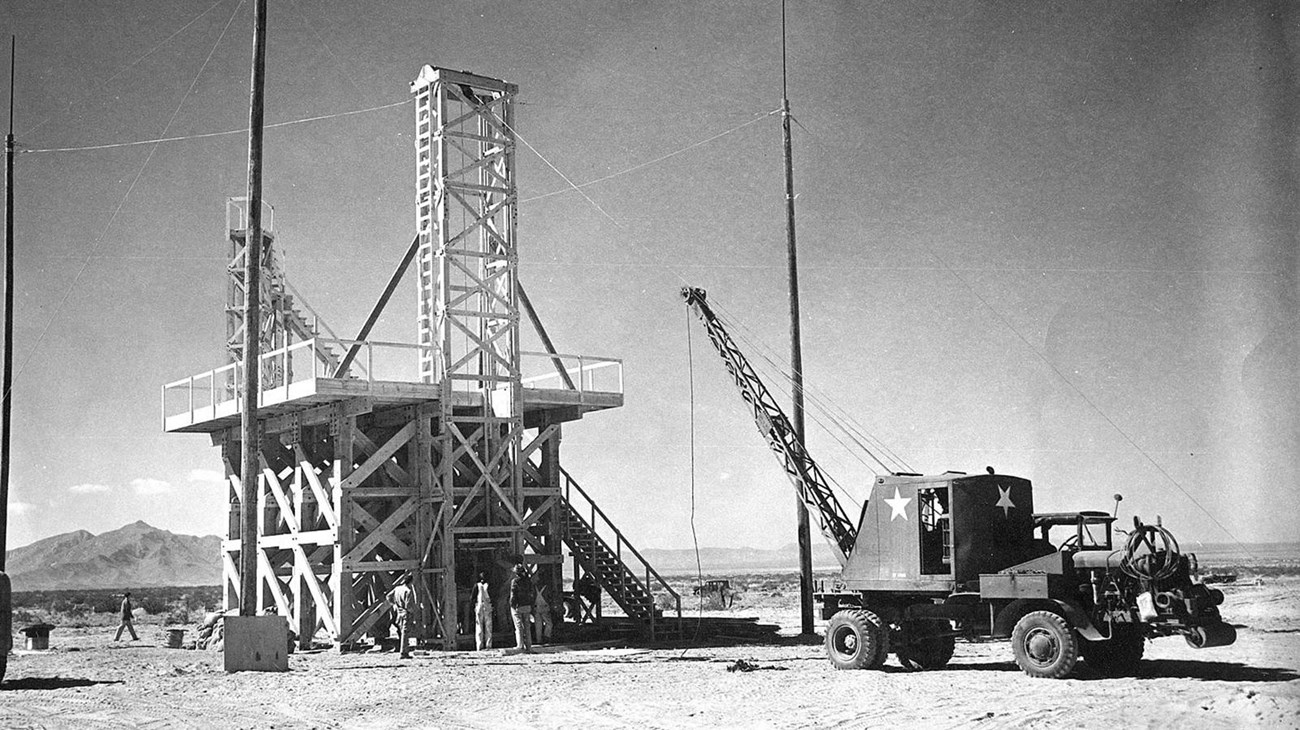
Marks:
<point>439,458</point>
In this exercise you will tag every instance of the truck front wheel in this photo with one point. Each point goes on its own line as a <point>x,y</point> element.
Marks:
<point>1045,645</point>
<point>856,639</point>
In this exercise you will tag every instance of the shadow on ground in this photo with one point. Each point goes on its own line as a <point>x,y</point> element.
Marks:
<point>41,683</point>
<point>1160,669</point>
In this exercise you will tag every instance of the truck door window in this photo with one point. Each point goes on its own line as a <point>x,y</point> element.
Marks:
<point>936,530</point>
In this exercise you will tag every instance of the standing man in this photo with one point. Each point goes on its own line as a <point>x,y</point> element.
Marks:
<point>482,614</point>
<point>402,599</point>
<point>542,621</point>
<point>126,619</point>
<point>521,606</point>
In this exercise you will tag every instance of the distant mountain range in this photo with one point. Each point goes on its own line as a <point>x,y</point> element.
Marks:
<point>725,560</point>
<point>136,555</point>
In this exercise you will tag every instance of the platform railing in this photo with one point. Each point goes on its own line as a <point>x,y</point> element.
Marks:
<point>587,374</point>
<point>288,372</point>
<point>285,373</point>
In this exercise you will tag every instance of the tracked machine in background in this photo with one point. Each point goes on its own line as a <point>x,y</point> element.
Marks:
<point>933,558</point>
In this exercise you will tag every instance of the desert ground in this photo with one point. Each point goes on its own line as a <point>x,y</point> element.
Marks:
<point>86,680</point>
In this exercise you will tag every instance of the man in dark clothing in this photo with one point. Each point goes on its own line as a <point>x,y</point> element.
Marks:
<point>126,619</point>
<point>521,606</point>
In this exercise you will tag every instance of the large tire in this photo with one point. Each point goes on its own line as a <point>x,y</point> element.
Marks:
<point>925,648</point>
<point>1118,656</point>
<point>1045,645</point>
<point>856,639</point>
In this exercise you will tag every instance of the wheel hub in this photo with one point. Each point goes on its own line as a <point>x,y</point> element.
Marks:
<point>1041,646</point>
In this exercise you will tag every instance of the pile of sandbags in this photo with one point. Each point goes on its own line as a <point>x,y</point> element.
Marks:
<point>211,632</point>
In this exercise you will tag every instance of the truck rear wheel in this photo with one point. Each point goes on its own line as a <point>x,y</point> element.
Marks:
<point>856,639</point>
<point>1045,645</point>
<point>1118,656</point>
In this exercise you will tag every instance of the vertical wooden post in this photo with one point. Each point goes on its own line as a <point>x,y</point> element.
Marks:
<point>250,473</point>
<point>421,468</point>
<point>802,531</point>
<point>344,611</point>
<point>304,507</point>
<point>553,577</point>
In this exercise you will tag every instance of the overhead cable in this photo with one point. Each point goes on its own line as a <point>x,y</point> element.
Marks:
<point>207,135</point>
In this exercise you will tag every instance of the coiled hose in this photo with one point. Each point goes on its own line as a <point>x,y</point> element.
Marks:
<point>1148,569</point>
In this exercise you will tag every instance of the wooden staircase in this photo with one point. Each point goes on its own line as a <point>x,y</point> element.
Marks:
<point>615,564</point>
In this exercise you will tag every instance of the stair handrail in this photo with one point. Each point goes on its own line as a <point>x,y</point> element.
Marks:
<point>319,321</point>
<point>569,484</point>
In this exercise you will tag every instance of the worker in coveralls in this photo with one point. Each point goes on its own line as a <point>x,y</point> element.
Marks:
<point>482,614</point>
<point>521,606</point>
<point>402,598</point>
<point>126,619</point>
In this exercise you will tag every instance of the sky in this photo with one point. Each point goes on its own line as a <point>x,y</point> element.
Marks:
<point>1054,238</point>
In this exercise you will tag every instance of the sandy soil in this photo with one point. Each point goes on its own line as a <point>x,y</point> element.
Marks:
<point>87,680</point>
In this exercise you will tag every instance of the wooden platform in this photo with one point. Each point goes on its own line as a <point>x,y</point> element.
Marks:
<point>555,405</point>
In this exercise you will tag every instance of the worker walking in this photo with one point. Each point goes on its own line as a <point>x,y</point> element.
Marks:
<point>521,606</point>
<point>482,614</point>
<point>127,608</point>
<point>402,598</point>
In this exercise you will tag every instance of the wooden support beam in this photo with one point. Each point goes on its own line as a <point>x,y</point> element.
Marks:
<point>323,502</point>
<point>541,334</point>
<point>341,583</point>
<point>384,532</point>
<point>327,613</point>
<point>377,459</point>
<point>385,566</point>
<point>378,309</point>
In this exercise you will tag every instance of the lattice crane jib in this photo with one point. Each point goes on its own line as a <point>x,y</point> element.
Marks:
<point>804,473</point>
<point>468,318</point>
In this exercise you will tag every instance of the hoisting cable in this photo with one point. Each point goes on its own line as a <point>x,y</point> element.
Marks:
<point>818,401</point>
<point>695,540</point>
<point>757,345</point>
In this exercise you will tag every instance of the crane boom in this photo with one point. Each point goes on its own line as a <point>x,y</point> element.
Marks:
<point>807,477</point>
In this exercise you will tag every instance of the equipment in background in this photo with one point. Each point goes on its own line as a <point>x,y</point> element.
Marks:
<point>716,593</point>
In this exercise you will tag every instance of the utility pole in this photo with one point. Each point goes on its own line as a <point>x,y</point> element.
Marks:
<point>803,533</point>
<point>6,394</point>
<point>252,328</point>
<point>6,410</point>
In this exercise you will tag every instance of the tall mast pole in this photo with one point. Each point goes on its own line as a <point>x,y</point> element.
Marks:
<point>6,409</point>
<point>803,532</point>
<point>252,329</point>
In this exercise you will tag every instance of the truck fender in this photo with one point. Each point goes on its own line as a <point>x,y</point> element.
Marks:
<point>1072,612</point>
<point>1078,619</point>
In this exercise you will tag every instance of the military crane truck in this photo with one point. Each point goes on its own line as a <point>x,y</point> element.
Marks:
<point>933,558</point>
